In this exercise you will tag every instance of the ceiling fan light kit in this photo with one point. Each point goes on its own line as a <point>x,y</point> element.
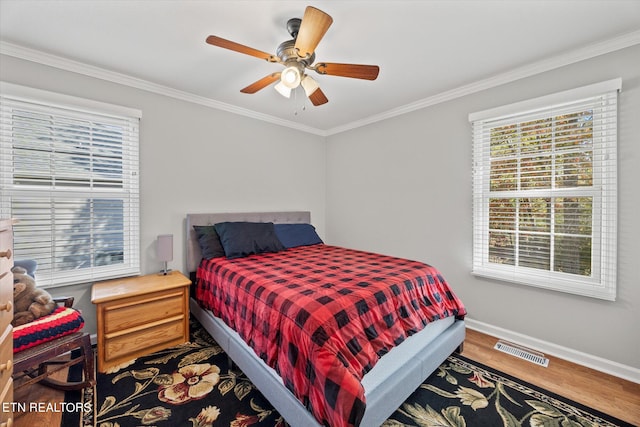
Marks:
<point>283,90</point>
<point>290,77</point>
<point>298,55</point>
<point>309,85</point>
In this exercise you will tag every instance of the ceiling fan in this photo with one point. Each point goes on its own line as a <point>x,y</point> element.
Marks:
<point>298,55</point>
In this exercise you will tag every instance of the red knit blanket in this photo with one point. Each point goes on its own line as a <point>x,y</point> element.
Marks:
<point>62,321</point>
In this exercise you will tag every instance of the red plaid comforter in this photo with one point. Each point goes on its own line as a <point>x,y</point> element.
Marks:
<point>322,316</point>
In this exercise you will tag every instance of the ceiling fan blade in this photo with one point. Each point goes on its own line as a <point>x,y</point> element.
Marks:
<point>237,47</point>
<point>356,71</point>
<point>261,84</point>
<point>315,24</point>
<point>318,97</point>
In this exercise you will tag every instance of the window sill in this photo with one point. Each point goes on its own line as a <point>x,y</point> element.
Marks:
<point>571,286</point>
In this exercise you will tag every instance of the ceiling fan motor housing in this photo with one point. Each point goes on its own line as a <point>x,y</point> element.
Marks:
<point>287,53</point>
<point>293,26</point>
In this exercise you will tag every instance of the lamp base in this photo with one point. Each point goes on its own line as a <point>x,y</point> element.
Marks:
<point>165,270</point>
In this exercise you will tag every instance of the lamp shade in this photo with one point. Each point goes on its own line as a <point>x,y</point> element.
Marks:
<point>309,85</point>
<point>283,90</point>
<point>290,77</point>
<point>164,247</point>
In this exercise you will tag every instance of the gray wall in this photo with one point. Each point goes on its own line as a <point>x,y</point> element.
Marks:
<point>195,159</point>
<point>403,187</point>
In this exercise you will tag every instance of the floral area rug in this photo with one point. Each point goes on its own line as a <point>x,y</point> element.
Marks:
<point>193,385</point>
<point>466,393</point>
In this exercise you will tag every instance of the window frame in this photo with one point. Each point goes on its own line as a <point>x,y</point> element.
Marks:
<point>603,191</point>
<point>102,114</point>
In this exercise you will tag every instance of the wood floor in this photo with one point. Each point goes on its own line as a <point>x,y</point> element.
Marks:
<point>594,389</point>
<point>589,387</point>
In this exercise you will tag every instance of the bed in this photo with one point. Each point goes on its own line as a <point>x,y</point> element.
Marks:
<point>386,385</point>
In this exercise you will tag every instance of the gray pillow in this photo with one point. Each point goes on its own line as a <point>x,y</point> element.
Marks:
<point>209,241</point>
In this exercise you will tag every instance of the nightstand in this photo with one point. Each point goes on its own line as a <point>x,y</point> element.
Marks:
<point>140,315</point>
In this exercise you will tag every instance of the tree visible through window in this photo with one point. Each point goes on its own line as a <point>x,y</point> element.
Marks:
<point>544,195</point>
<point>542,232</point>
<point>69,175</point>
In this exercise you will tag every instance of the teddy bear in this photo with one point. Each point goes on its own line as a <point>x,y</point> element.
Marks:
<point>29,302</point>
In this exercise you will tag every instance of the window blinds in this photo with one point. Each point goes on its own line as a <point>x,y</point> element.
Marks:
<point>545,191</point>
<point>69,174</point>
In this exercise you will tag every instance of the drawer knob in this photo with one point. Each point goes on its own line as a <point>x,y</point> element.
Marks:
<point>6,366</point>
<point>8,306</point>
<point>5,254</point>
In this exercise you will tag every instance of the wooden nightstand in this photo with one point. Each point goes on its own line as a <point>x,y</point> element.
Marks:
<point>140,315</point>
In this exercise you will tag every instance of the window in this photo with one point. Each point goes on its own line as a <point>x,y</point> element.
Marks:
<point>545,191</point>
<point>69,175</point>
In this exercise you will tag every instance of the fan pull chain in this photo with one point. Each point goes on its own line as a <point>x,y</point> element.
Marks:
<point>295,100</point>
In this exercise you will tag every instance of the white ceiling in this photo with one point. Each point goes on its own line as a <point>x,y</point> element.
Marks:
<point>426,50</point>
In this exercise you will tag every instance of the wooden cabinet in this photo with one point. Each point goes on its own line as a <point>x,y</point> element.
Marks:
<point>140,315</point>
<point>6,315</point>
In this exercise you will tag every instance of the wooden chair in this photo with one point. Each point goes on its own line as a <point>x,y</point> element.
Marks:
<point>37,364</point>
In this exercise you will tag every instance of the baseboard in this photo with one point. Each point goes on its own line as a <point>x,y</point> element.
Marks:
<point>594,362</point>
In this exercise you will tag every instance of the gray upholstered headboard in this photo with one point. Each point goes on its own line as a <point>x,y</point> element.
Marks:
<point>193,249</point>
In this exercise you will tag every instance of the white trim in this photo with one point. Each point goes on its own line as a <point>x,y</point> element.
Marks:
<point>62,63</point>
<point>590,361</point>
<point>54,99</point>
<point>558,98</point>
<point>62,113</point>
<point>554,281</point>
<point>587,52</point>
<point>600,280</point>
<point>568,58</point>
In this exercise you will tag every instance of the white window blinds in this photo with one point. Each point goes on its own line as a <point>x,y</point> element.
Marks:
<point>69,175</point>
<point>545,191</point>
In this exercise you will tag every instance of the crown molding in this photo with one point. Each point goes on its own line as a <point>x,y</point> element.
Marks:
<point>66,64</point>
<point>567,58</point>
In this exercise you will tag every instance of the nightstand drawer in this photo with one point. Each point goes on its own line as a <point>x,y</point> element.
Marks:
<point>6,277</point>
<point>6,298</point>
<point>6,396</point>
<point>6,354</point>
<point>149,339</point>
<point>6,248</point>
<point>140,315</point>
<point>6,315</point>
<point>143,310</point>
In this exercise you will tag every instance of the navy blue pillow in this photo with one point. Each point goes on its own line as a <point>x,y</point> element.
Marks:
<point>240,239</point>
<point>292,235</point>
<point>209,241</point>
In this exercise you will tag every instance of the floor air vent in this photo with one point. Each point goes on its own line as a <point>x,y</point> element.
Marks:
<point>522,353</point>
